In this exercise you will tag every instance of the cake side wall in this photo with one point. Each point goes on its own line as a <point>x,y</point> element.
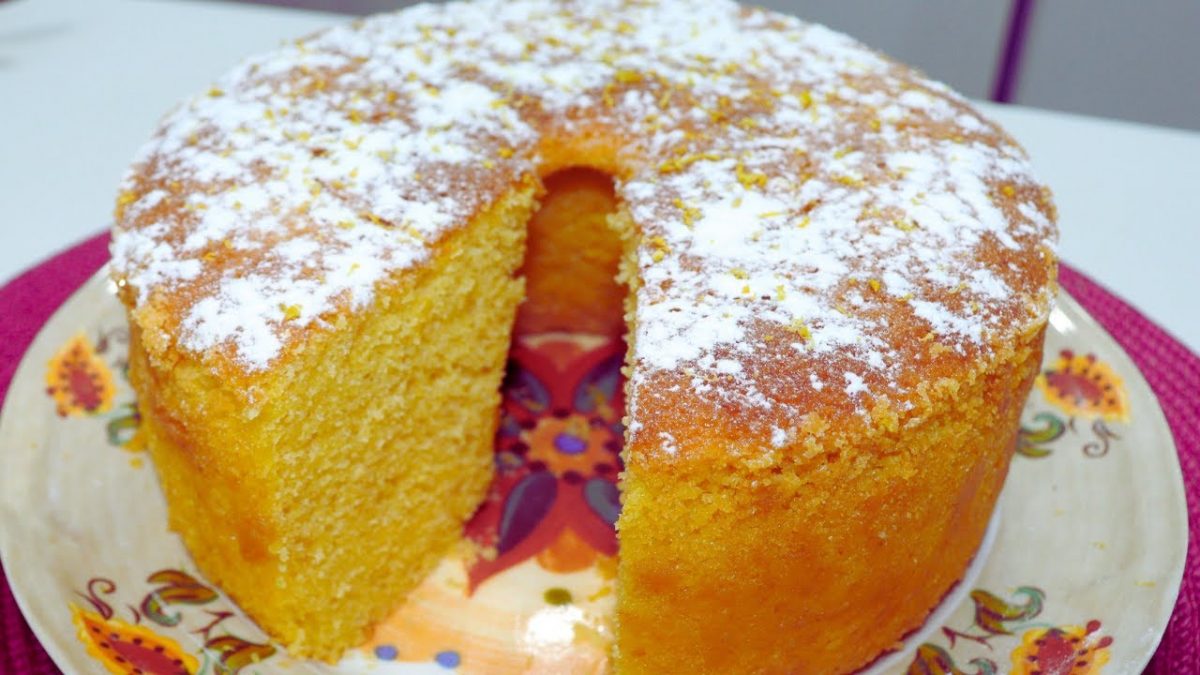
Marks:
<point>786,565</point>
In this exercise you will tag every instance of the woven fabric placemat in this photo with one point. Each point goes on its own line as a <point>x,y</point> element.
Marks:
<point>1173,372</point>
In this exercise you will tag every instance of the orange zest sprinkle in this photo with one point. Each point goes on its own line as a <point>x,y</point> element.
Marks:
<point>690,213</point>
<point>798,327</point>
<point>750,179</point>
<point>680,163</point>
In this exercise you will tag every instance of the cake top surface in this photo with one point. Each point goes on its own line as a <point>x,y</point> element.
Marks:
<point>814,216</point>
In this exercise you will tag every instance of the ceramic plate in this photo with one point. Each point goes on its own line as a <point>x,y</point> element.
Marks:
<point>1081,576</point>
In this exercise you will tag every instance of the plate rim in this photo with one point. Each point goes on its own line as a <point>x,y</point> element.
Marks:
<point>47,639</point>
<point>1175,467</point>
<point>50,639</point>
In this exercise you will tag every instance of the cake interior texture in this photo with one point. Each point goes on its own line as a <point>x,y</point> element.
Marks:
<point>572,258</point>
<point>346,475</point>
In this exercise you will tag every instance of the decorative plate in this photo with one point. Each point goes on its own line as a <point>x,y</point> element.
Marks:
<point>1079,575</point>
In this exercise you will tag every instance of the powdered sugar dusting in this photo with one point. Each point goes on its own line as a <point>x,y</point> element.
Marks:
<point>803,202</point>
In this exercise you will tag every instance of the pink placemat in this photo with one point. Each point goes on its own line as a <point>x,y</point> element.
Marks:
<point>1173,372</point>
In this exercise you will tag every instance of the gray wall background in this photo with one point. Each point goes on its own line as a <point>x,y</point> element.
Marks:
<point>1136,60</point>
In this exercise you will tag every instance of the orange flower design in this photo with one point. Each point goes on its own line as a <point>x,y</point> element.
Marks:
<point>125,649</point>
<point>1063,650</point>
<point>78,380</point>
<point>1081,385</point>
<point>570,444</point>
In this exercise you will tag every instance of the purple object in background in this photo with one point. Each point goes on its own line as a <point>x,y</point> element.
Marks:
<point>1009,66</point>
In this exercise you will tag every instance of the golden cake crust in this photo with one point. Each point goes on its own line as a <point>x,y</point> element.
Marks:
<point>800,201</point>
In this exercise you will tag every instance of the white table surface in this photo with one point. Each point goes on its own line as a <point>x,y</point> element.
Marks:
<point>83,82</point>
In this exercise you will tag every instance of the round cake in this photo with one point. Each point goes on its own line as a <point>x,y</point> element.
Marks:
<point>835,277</point>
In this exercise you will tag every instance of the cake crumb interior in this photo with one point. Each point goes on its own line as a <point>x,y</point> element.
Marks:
<point>571,259</point>
<point>349,474</point>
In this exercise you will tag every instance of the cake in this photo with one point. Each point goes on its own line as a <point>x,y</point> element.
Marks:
<point>833,275</point>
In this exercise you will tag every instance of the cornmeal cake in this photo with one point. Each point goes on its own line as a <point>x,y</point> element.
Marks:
<point>834,278</point>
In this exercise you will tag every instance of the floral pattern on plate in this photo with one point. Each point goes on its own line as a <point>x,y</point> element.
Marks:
<point>1079,386</point>
<point>1082,576</point>
<point>138,648</point>
<point>1043,649</point>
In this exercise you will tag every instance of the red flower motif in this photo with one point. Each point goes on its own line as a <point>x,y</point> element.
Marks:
<point>1082,386</point>
<point>78,380</point>
<point>1062,650</point>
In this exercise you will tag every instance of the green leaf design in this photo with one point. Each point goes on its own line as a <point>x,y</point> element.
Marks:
<point>984,666</point>
<point>1048,428</point>
<point>121,428</point>
<point>1033,452</point>
<point>992,612</point>
<point>235,653</point>
<point>177,588</point>
<point>931,659</point>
